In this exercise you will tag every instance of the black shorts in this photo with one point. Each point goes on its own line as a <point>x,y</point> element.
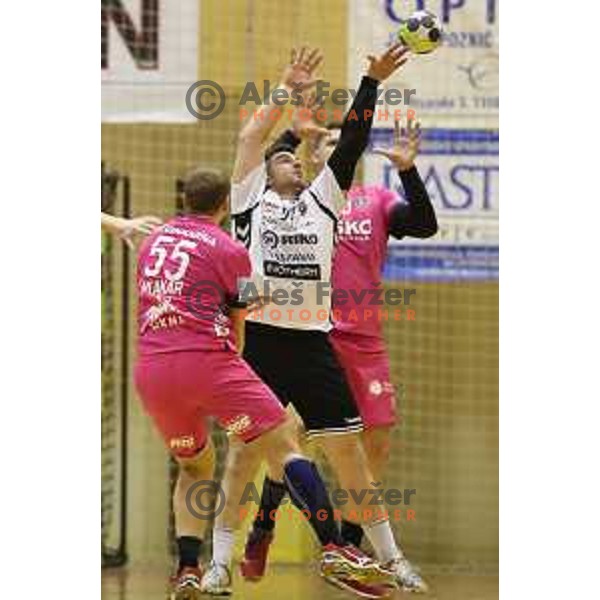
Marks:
<point>302,369</point>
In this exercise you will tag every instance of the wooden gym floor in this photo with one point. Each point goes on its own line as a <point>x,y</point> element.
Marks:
<point>289,583</point>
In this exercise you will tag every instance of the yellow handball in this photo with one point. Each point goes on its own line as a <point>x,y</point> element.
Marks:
<point>421,32</point>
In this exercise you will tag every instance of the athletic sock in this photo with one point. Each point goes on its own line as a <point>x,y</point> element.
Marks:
<point>382,539</point>
<point>308,492</point>
<point>352,533</point>
<point>189,550</point>
<point>223,540</point>
<point>272,495</point>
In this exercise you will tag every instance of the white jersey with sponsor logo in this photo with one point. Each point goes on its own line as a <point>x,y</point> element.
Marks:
<point>291,242</point>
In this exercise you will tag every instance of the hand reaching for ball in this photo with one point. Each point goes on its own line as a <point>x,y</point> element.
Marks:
<point>381,67</point>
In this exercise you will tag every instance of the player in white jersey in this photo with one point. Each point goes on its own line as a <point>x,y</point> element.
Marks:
<point>371,215</point>
<point>288,227</point>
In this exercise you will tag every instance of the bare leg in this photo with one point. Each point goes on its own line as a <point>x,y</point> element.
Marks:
<point>347,457</point>
<point>376,443</point>
<point>243,461</point>
<point>191,471</point>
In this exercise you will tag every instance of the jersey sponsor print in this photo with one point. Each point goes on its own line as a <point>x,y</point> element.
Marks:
<point>291,242</point>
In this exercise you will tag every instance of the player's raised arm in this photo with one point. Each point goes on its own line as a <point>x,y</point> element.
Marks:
<point>297,75</point>
<point>417,217</point>
<point>357,124</point>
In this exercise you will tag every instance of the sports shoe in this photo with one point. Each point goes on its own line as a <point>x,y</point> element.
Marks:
<point>216,580</point>
<point>407,577</point>
<point>350,563</point>
<point>254,563</point>
<point>360,589</point>
<point>186,584</point>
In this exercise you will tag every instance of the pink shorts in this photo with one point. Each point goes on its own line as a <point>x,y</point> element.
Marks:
<point>367,369</point>
<point>181,390</point>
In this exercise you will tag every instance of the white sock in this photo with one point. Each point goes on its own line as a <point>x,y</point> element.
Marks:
<point>223,546</point>
<point>382,539</point>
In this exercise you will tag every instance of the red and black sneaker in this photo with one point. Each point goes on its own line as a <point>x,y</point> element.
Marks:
<point>186,584</point>
<point>254,563</point>
<point>360,589</point>
<point>348,563</point>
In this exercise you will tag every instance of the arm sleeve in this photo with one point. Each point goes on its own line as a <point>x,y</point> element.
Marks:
<point>416,217</point>
<point>247,192</point>
<point>355,134</point>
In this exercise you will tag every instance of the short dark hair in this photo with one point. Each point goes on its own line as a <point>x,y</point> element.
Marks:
<point>204,190</point>
<point>278,149</point>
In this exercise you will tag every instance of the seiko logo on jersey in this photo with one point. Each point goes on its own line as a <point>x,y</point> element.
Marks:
<point>272,240</point>
<point>358,228</point>
<point>300,238</point>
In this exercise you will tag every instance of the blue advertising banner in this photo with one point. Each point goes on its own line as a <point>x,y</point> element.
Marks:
<point>460,171</point>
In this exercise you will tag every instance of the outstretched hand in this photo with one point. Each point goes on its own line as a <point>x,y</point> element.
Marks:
<point>137,226</point>
<point>300,72</point>
<point>381,67</point>
<point>406,145</point>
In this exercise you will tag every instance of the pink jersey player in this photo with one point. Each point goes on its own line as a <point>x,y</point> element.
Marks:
<point>357,336</point>
<point>188,277</point>
<point>371,215</point>
<point>363,231</point>
<point>188,273</point>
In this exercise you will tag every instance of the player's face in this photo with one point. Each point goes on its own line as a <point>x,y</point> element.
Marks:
<point>325,148</point>
<point>285,173</point>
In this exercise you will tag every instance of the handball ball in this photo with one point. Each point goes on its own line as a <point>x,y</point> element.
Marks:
<point>421,32</point>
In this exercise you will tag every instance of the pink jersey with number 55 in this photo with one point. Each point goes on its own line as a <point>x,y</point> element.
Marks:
<point>189,271</point>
